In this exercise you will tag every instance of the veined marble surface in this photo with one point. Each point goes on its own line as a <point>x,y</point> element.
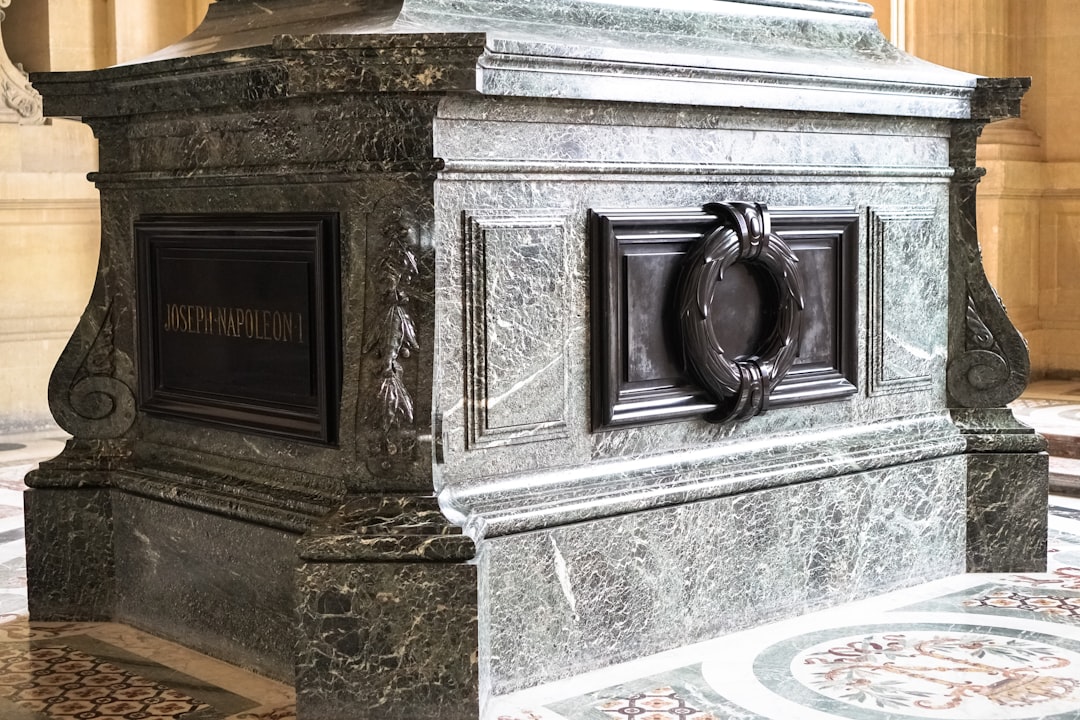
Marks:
<point>520,176</point>
<point>609,590</point>
<point>967,647</point>
<point>466,340</point>
<point>823,55</point>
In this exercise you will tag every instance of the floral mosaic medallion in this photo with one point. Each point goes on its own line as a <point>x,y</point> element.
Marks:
<point>1067,578</point>
<point>951,672</point>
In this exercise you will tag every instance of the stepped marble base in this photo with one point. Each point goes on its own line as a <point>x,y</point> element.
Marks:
<point>463,521</point>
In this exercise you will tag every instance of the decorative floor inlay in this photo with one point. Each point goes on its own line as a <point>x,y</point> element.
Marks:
<point>932,672</point>
<point>104,671</point>
<point>66,683</point>
<point>661,703</point>
<point>1019,600</point>
<point>1062,577</point>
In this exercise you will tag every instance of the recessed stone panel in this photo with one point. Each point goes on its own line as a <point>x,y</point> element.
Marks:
<point>907,292</point>
<point>516,310</point>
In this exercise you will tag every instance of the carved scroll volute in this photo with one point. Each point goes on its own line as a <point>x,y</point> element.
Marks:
<point>740,386</point>
<point>19,101</point>
<point>88,394</point>
<point>988,358</point>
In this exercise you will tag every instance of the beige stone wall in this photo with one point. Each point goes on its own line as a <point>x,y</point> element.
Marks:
<point>1029,202</point>
<point>88,34</point>
<point>49,214</point>
<point>48,238</point>
<point>1056,46</point>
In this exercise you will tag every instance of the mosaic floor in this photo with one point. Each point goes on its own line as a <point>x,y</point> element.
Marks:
<point>103,671</point>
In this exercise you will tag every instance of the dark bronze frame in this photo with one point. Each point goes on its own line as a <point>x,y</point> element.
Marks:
<point>617,234</point>
<point>308,238</point>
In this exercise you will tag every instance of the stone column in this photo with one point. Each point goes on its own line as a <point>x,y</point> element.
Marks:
<point>1050,42</point>
<point>140,27</point>
<point>969,35</point>
<point>49,213</point>
<point>988,37</point>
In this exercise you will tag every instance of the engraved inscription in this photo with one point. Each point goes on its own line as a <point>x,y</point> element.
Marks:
<point>253,324</point>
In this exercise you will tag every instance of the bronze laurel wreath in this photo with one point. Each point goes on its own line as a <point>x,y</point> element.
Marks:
<point>740,386</point>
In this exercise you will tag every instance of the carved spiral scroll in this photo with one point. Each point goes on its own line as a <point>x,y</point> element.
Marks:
<point>87,396</point>
<point>739,385</point>
<point>989,372</point>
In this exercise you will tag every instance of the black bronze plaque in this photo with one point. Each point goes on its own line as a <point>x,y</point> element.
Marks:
<point>638,369</point>
<point>239,321</point>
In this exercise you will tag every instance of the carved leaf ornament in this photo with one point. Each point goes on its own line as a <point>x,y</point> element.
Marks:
<point>395,336</point>
<point>739,385</point>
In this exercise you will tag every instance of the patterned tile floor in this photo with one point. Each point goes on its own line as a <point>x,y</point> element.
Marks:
<point>103,671</point>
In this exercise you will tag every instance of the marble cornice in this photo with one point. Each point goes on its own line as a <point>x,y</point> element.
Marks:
<point>291,67</point>
<point>720,53</point>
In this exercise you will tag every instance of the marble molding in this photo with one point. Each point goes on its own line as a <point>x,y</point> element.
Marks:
<point>59,589</point>
<point>1008,485</point>
<point>989,362</point>
<point>388,640</point>
<point>178,572</point>
<point>388,614</point>
<point>469,534</point>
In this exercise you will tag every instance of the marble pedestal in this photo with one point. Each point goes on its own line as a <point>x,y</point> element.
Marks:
<point>472,531</point>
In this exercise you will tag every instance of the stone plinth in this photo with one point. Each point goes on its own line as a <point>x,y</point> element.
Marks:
<point>484,517</point>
